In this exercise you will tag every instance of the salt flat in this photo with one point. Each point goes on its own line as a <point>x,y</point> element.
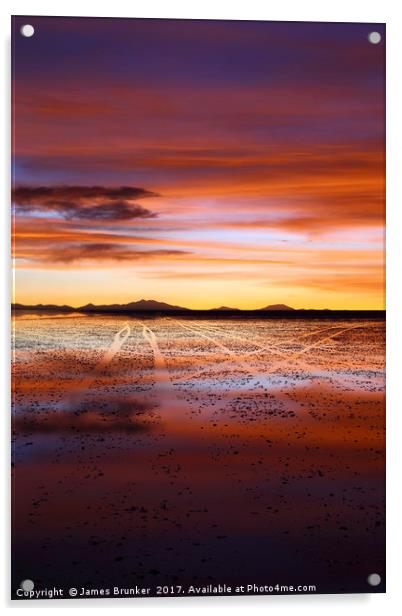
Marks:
<point>177,450</point>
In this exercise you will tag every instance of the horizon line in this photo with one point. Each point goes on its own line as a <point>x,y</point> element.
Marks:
<point>278,307</point>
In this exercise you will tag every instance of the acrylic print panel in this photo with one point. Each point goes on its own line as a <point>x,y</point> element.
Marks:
<point>198,318</point>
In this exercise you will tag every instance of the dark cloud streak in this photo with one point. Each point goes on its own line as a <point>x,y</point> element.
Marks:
<point>99,251</point>
<point>84,202</point>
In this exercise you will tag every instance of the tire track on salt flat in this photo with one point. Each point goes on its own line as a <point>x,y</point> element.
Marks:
<point>248,353</point>
<point>118,341</point>
<point>261,347</point>
<point>289,358</point>
<point>162,375</point>
<point>230,394</point>
<point>236,358</point>
<point>168,400</point>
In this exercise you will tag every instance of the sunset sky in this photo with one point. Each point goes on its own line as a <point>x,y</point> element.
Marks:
<point>200,163</point>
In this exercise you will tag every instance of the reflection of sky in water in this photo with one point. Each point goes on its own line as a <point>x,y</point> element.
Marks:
<point>242,382</point>
<point>352,378</point>
<point>214,471</point>
<point>32,450</point>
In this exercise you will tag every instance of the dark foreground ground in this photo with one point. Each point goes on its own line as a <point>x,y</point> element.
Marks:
<point>178,451</point>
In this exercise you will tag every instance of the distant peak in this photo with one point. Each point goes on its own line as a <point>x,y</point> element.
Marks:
<point>277,307</point>
<point>140,305</point>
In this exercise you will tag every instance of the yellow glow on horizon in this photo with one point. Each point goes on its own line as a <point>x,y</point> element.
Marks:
<point>79,287</point>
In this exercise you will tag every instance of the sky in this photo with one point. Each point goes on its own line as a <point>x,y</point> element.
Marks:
<point>199,163</point>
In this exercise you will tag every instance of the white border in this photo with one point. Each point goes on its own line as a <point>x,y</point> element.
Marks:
<point>388,11</point>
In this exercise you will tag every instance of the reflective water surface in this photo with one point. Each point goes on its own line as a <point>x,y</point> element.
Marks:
<point>172,450</point>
